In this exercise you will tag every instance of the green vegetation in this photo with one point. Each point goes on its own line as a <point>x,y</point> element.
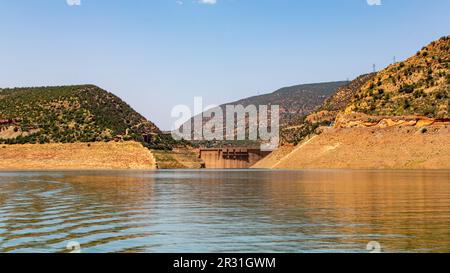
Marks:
<point>177,159</point>
<point>67,114</point>
<point>408,89</point>
<point>417,86</point>
<point>165,142</point>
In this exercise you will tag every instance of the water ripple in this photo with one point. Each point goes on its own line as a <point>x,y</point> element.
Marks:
<point>235,211</point>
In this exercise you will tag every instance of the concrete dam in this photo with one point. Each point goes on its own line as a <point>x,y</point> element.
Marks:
<point>231,158</point>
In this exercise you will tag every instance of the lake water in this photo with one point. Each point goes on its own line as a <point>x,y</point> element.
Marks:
<point>225,211</point>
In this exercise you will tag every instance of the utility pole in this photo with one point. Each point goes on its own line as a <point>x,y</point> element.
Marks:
<point>395,60</point>
<point>374,68</point>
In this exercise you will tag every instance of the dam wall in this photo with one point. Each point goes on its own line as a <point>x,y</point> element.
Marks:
<point>231,158</point>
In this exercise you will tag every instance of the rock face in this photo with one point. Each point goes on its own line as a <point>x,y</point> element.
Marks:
<point>362,120</point>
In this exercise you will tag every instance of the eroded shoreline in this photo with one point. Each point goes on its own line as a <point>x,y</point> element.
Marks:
<point>76,156</point>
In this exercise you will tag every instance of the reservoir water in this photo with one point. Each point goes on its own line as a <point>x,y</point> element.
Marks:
<point>225,211</point>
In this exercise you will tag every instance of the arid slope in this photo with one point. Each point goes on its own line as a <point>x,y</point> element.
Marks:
<point>397,119</point>
<point>370,148</point>
<point>76,156</point>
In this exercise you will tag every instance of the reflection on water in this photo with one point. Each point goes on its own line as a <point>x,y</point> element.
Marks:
<point>225,211</point>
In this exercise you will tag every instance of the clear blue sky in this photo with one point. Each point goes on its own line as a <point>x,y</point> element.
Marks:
<point>158,53</point>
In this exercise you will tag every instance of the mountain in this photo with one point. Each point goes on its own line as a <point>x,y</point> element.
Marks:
<point>67,114</point>
<point>397,118</point>
<point>344,95</point>
<point>295,101</point>
<point>325,114</point>
<point>419,85</point>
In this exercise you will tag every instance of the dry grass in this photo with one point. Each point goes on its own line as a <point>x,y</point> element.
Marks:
<point>76,156</point>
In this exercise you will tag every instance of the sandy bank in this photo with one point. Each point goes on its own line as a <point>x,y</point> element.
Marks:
<point>369,148</point>
<point>76,156</point>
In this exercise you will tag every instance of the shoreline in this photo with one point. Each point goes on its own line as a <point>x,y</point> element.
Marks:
<point>366,148</point>
<point>306,170</point>
<point>347,149</point>
<point>76,156</point>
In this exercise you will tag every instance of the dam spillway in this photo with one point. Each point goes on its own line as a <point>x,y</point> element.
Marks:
<point>231,158</point>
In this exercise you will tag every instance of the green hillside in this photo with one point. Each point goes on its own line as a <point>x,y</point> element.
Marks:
<point>66,114</point>
<point>419,85</point>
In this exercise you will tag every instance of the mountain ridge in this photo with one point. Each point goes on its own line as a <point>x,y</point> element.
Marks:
<point>295,102</point>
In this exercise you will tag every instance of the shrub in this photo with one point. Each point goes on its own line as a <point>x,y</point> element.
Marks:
<point>418,94</point>
<point>441,95</point>
<point>429,111</point>
<point>408,89</point>
<point>406,104</point>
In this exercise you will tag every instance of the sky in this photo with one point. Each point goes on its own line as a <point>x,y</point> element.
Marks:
<point>156,54</point>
